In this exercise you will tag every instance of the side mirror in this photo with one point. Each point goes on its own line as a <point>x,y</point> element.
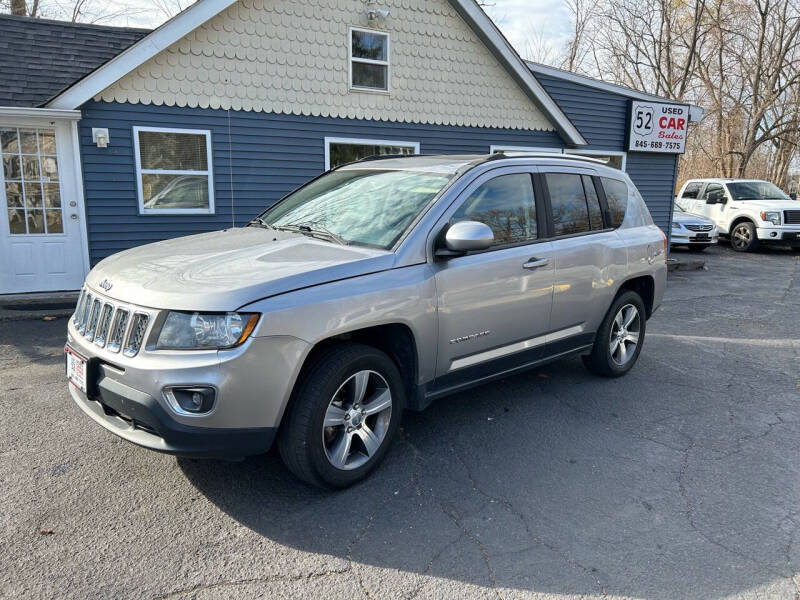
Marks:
<point>466,236</point>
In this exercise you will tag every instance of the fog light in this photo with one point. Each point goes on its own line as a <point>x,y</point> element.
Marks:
<point>196,400</point>
<point>773,234</point>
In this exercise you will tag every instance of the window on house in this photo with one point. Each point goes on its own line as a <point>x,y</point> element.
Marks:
<point>173,171</point>
<point>568,203</point>
<point>506,205</point>
<point>339,151</point>
<point>369,60</point>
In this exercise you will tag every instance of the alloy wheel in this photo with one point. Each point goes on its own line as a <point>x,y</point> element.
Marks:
<point>741,237</point>
<point>625,332</point>
<point>357,420</point>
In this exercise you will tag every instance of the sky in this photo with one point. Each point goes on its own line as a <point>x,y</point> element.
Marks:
<point>543,24</point>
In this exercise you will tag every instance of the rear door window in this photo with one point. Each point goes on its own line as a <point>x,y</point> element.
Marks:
<point>617,199</point>
<point>593,201</point>
<point>568,203</point>
<point>691,190</point>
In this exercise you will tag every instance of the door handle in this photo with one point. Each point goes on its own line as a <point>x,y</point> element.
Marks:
<point>535,263</point>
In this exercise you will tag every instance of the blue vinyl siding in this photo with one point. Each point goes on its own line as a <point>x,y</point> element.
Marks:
<point>257,159</point>
<point>602,118</point>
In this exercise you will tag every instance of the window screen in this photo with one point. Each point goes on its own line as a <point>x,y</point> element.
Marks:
<point>568,203</point>
<point>505,204</point>
<point>617,199</point>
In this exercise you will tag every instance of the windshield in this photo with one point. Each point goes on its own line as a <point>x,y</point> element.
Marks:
<point>359,206</point>
<point>756,190</point>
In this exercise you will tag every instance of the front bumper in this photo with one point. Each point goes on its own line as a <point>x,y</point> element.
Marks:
<point>786,234</point>
<point>253,383</point>
<point>140,419</point>
<point>683,236</point>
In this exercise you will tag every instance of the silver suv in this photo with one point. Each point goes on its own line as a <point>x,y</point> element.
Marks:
<point>375,288</point>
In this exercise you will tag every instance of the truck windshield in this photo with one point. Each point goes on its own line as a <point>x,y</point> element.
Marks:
<point>358,206</point>
<point>756,190</point>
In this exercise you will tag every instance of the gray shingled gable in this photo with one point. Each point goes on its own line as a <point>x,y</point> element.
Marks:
<point>39,58</point>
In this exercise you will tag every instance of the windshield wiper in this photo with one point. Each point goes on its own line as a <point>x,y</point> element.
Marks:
<point>315,230</point>
<point>261,223</point>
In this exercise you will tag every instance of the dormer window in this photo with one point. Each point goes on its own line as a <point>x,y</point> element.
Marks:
<point>369,60</point>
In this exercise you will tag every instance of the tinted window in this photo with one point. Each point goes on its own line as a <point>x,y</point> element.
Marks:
<point>713,190</point>
<point>593,201</point>
<point>617,199</point>
<point>568,201</point>
<point>691,190</point>
<point>506,205</point>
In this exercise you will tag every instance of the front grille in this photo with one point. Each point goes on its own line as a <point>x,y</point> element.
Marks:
<point>113,327</point>
<point>103,324</point>
<point>791,217</point>
<point>699,227</point>
<point>118,330</point>
<point>136,336</point>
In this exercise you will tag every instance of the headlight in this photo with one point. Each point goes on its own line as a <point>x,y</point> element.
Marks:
<point>772,217</point>
<point>676,225</point>
<point>198,331</point>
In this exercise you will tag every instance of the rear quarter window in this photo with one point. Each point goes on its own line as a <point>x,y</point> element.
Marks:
<point>617,199</point>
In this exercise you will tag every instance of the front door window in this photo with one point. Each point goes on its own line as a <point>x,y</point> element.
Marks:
<point>30,175</point>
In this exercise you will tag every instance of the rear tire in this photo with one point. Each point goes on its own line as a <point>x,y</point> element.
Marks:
<point>620,337</point>
<point>744,237</point>
<point>344,414</point>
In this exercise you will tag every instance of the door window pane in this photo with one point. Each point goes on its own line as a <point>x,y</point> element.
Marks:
<point>9,142</point>
<point>506,205</point>
<point>593,201</point>
<point>49,168</point>
<point>568,203</point>
<point>14,195</point>
<point>35,221</point>
<point>47,142</point>
<point>30,167</point>
<point>55,223</point>
<point>52,196</point>
<point>617,199</point>
<point>11,168</point>
<point>33,196</point>
<point>691,190</point>
<point>27,141</point>
<point>16,221</point>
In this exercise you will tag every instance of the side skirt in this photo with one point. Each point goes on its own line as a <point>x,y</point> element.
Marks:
<point>497,369</point>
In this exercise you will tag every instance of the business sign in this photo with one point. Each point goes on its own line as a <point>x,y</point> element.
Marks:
<point>657,127</point>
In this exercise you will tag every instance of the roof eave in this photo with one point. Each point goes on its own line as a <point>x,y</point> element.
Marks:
<point>159,39</point>
<point>695,112</point>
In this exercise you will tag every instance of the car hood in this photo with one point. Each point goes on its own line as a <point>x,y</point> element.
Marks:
<point>225,270</point>
<point>681,217</point>
<point>768,204</point>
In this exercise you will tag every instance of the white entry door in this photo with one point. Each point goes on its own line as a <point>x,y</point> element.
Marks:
<point>41,236</point>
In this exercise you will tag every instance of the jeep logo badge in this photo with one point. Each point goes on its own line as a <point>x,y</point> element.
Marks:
<point>106,284</point>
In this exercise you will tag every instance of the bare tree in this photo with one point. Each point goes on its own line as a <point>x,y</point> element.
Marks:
<point>83,11</point>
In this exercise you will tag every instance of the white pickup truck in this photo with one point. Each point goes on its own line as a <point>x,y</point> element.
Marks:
<point>748,211</point>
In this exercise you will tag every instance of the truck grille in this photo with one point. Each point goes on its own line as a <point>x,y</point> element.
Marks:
<point>113,327</point>
<point>791,217</point>
<point>699,227</point>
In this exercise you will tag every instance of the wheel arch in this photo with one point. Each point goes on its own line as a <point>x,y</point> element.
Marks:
<point>394,339</point>
<point>741,219</point>
<point>645,286</point>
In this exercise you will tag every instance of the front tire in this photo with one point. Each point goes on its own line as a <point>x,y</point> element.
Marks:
<point>744,237</point>
<point>345,412</point>
<point>620,337</point>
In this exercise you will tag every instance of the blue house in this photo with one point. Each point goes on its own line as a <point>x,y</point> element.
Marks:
<point>204,122</point>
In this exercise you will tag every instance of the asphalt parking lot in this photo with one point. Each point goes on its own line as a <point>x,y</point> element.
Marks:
<point>681,480</point>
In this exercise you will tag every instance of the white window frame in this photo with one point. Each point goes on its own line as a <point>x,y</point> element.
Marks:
<point>209,172</point>
<point>599,153</point>
<point>494,148</point>
<point>364,142</point>
<point>368,61</point>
